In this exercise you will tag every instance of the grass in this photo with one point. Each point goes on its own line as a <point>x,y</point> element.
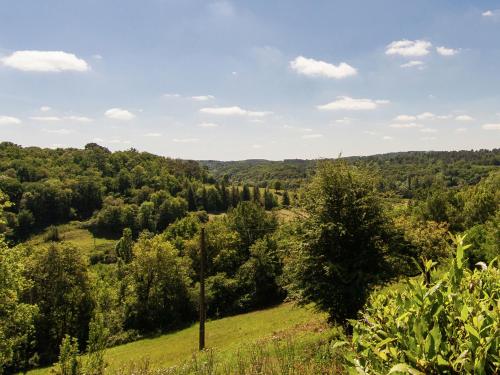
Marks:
<point>81,238</point>
<point>225,336</point>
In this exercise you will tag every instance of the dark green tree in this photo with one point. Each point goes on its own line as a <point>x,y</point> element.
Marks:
<point>341,252</point>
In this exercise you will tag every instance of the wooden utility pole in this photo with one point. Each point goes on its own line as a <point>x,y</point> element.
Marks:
<point>202,288</point>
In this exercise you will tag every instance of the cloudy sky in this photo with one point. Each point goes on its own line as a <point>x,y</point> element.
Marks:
<point>221,79</point>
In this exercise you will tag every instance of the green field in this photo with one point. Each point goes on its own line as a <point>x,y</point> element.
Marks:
<point>79,237</point>
<point>226,336</point>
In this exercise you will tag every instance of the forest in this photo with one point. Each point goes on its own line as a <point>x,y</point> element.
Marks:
<point>342,235</point>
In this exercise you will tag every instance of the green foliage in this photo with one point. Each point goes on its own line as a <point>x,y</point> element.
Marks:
<point>341,252</point>
<point>60,288</point>
<point>16,316</point>
<point>98,336</point>
<point>450,325</point>
<point>52,234</point>
<point>69,362</point>
<point>124,246</point>
<point>160,286</point>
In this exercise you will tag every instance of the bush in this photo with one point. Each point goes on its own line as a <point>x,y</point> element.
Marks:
<point>450,325</point>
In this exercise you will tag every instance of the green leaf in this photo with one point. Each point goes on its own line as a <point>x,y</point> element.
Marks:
<point>404,368</point>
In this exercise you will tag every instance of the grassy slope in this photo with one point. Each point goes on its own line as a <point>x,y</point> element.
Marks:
<point>80,238</point>
<point>226,336</point>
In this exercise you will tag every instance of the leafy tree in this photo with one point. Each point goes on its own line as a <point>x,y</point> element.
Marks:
<point>245,194</point>
<point>160,285</point>
<point>60,288</point>
<point>146,218</point>
<point>269,200</point>
<point>342,250</point>
<point>256,194</point>
<point>170,210</point>
<point>285,202</point>
<point>69,362</point>
<point>124,246</point>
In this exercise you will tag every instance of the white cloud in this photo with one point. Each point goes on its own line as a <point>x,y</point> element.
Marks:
<point>311,136</point>
<point>202,98</point>
<point>464,118</point>
<point>350,104</point>
<point>426,116</point>
<point>387,138</point>
<point>96,140</point>
<point>208,125</point>
<point>443,51</point>
<point>186,140</point>
<point>443,117</point>
<point>428,130</point>
<point>405,118</point>
<point>97,56</point>
<point>345,120</point>
<point>460,130</point>
<point>9,120</point>
<point>370,132</point>
<point>412,64</point>
<point>45,61</point>
<point>428,138</point>
<point>257,146</point>
<point>317,68</point>
<point>491,126</point>
<point>119,114</point>
<point>45,108</point>
<point>169,96</point>
<point>78,118</point>
<point>487,13</point>
<point>406,125</point>
<point>152,135</point>
<point>59,131</point>
<point>232,111</point>
<point>46,118</point>
<point>409,48</point>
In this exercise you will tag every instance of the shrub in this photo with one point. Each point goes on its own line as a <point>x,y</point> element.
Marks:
<point>450,325</point>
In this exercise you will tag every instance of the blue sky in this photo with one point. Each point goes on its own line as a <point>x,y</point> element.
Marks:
<point>217,79</point>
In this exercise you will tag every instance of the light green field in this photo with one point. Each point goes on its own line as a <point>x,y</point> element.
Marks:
<point>226,336</point>
<point>81,238</point>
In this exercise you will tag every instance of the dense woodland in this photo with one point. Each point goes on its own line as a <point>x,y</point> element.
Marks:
<point>326,232</point>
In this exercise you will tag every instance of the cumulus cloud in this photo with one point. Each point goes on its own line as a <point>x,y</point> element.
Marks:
<point>428,138</point>
<point>409,48</point>
<point>412,64</point>
<point>444,51</point>
<point>202,98</point>
<point>464,118</point>
<point>152,135</point>
<point>426,116</point>
<point>405,118</point>
<point>491,126</point>
<point>46,118</point>
<point>312,136</point>
<point>344,120</point>
<point>491,13</point>
<point>119,114</point>
<point>9,120</point>
<point>350,104</point>
<point>208,125</point>
<point>233,111</point>
<point>45,61</point>
<point>387,138</point>
<point>460,130</point>
<point>256,146</point>
<point>186,140</point>
<point>78,118</point>
<point>170,95</point>
<point>405,125</point>
<point>45,108</point>
<point>318,68</point>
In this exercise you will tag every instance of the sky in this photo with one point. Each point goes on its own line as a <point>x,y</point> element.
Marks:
<point>231,80</point>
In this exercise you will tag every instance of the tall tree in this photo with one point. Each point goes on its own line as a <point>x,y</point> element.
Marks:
<point>342,250</point>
